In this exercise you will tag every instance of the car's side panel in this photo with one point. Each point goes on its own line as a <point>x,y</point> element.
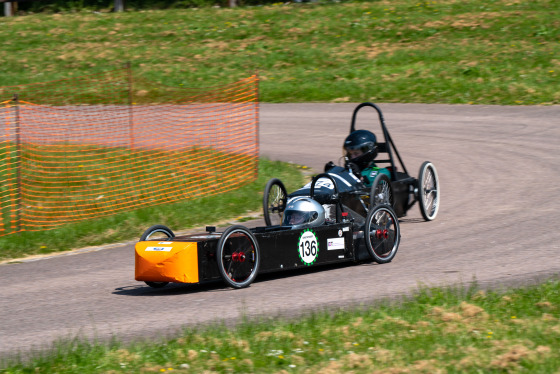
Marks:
<point>166,261</point>
<point>192,258</point>
<point>283,250</point>
<point>207,263</point>
<point>401,193</point>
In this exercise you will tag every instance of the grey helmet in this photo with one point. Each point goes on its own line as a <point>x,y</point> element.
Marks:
<point>303,212</point>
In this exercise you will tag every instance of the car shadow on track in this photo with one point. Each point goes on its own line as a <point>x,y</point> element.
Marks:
<point>141,289</point>
<point>412,220</point>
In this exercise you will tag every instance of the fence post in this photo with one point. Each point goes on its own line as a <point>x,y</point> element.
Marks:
<point>18,166</point>
<point>257,120</point>
<point>130,103</point>
<point>8,9</point>
<point>119,5</point>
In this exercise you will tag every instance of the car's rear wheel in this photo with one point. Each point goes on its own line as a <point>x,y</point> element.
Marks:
<point>156,233</point>
<point>238,256</point>
<point>381,192</point>
<point>428,191</point>
<point>382,233</point>
<point>274,202</point>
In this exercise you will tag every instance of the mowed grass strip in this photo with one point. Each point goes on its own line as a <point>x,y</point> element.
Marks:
<point>479,51</point>
<point>452,330</point>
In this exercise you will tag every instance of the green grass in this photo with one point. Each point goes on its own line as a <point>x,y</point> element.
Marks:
<point>130,225</point>
<point>436,331</point>
<point>460,52</point>
<point>479,51</point>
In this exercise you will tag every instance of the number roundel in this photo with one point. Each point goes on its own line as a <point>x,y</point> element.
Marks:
<point>308,247</point>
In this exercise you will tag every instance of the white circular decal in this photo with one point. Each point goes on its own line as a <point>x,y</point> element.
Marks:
<point>308,247</point>
<point>322,182</point>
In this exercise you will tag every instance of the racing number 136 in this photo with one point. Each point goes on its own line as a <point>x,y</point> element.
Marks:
<point>308,248</point>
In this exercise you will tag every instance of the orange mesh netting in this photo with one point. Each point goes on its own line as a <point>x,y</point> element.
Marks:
<point>120,148</point>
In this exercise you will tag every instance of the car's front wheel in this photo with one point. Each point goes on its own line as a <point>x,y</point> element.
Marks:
<point>238,256</point>
<point>428,191</point>
<point>381,191</point>
<point>274,202</point>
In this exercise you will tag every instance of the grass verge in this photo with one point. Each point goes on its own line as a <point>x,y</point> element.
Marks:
<point>479,51</point>
<point>130,225</point>
<point>452,330</point>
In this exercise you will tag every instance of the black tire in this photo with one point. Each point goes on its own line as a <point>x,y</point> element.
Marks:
<point>157,232</point>
<point>238,256</point>
<point>381,192</point>
<point>428,191</point>
<point>382,233</point>
<point>157,284</point>
<point>274,202</point>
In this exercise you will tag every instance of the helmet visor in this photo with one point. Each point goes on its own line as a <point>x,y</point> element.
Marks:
<point>353,152</point>
<point>297,217</point>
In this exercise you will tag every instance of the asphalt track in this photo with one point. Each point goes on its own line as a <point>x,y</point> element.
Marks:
<point>499,169</point>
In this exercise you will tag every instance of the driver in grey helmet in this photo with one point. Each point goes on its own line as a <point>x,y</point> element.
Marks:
<point>303,212</point>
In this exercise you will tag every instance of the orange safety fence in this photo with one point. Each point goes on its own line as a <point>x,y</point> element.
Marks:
<point>93,146</point>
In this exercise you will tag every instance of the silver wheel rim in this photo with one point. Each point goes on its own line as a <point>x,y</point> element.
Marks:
<point>430,195</point>
<point>275,204</point>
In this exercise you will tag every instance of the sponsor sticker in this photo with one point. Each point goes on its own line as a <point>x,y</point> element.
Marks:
<point>165,243</point>
<point>158,249</point>
<point>321,182</point>
<point>335,243</point>
<point>345,229</point>
<point>308,247</point>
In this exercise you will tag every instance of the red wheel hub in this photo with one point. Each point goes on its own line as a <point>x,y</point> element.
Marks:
<point>382,234</point>
<point>238,257</point>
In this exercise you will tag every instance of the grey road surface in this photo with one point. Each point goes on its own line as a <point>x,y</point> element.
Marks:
<point>499,170</point>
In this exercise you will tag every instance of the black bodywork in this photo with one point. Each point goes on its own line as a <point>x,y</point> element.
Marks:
<point>400,192</point>
<point>238,254</point>
<point>279,248</point>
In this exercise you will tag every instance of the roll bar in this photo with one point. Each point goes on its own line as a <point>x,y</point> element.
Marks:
<point>388,146</point>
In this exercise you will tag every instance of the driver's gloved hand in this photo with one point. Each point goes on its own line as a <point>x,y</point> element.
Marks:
<point>329,165</point>
<point>354,169</point>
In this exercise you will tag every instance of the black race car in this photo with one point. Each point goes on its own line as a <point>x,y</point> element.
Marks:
<point>304,239</point>
<point>401,191</point>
